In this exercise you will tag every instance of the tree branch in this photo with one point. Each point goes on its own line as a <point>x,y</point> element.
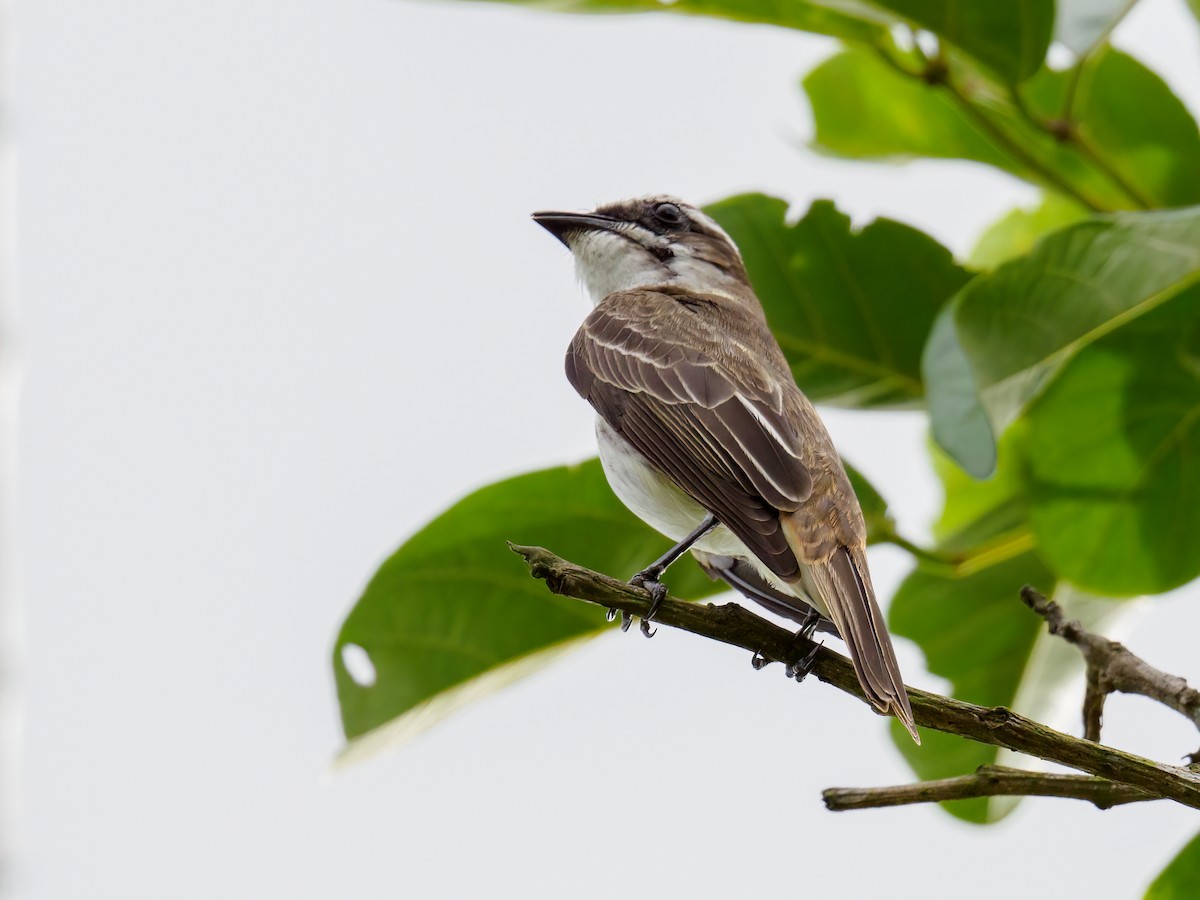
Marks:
<point>731,624</point>
<point>1112,667</point>
<point>989,781</point>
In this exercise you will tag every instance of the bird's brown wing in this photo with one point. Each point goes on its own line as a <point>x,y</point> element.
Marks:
<point>657,367</point>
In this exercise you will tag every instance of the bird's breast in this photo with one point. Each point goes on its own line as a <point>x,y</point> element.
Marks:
<point>654,498</point>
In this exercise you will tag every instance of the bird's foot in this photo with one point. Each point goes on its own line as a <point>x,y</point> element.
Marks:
<point>808,627</point>
<point>800,669</point>
<point>647,579</point>
<point>626,619</point>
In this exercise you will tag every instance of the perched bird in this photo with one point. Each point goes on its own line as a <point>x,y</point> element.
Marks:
<point>703,433</point>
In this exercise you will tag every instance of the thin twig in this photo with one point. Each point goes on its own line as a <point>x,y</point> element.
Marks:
<point>1003,141</point>
<point>988,781</point>
<point>998,726</point>
<point>1112,667</point>
<point>1067,131</point>
<point>1015,150</point>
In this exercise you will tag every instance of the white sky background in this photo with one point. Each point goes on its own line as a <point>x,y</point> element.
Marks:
<point>281,303</point>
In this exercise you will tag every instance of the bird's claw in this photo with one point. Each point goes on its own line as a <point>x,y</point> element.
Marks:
<point>626,620</point>
<point>801,668</point>
<point>647,579</point>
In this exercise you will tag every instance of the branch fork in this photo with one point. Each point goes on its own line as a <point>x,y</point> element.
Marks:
<point>1115,776</point>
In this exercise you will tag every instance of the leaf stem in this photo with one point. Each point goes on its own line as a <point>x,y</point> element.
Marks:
<point>1067,131</point>
<point>1015,150</point>
<point>962,564</point>
<point>937,73</point>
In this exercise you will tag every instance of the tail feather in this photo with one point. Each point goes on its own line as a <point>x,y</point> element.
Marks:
<point>843,585</point>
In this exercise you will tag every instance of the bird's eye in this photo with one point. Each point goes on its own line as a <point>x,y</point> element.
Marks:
<point>668,215</point>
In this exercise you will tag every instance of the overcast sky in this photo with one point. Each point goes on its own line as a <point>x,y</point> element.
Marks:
<point>280,304</point>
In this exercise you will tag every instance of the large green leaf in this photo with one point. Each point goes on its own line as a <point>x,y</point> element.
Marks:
<point>957,419</point>
<point>1114,456</point>
<point>1018,325</point>
<point>1180,880</point>
<point>851,309</point>
<point>453,614</point>
<point>850,19</point>
<point>454,605</point>
<point>1133,120</point>
<point>967,619</point>
<point>1009,37</point>
<point>973,632</point>
<point>1016,233</point>
<point>1126,113</point>
<point>856,88</point>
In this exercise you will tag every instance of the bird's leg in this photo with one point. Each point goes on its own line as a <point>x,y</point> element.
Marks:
<point>809,625</point>
<point>648,578</point>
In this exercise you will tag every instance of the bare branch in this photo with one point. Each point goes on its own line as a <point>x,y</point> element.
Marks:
<point>731,624</point>
<point>989,781</point>
<point>1112,667</point>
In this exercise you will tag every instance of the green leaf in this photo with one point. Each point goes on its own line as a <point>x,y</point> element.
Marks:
<point>454,614</point>
<point>967,619</point>
<point>973,632</point>
<point>1010,38</point>
<point>1077,285</point>
<point>1016,233</point>
<point>976,513</point>
<point>851,309</point>
<point>454,604</point>
<point>1180,880</point>
<point>957,419</point>
<point>1134,121</point>
<point>847,19</point>
<point>906,116</point>
<point>1114,455</point>
<point>1148,143</point>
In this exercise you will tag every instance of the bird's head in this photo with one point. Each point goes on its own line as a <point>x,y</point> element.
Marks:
<point>648,242</point>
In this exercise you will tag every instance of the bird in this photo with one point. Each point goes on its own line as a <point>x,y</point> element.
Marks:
<point>704,434</point>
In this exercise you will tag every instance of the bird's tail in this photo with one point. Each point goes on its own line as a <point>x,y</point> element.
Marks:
<point>843,585</point>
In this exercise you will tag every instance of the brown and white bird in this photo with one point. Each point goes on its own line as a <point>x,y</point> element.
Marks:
<point>703,433</point>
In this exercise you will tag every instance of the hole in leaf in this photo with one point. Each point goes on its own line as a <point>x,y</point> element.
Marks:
<point>902,37</point>
<point>1059,58</point>
<point>358,665</point>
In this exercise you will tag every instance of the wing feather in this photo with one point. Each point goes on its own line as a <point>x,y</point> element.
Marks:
<point>661,376</point>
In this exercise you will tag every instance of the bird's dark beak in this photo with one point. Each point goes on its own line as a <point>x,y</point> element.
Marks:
<point>562,224</point>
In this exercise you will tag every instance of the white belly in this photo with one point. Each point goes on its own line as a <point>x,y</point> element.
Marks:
<point>654,499</point>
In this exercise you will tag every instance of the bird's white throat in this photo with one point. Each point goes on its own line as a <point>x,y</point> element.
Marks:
<point>607,262</point>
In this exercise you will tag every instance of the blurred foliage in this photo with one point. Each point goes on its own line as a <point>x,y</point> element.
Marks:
<point>1179,879</point>
<point>1060,363</point>
<point>862,354</point>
